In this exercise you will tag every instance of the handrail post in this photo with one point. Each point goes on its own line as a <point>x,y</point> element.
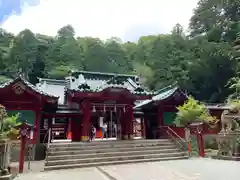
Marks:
<point>188,140</point>
<point>49,137</point>
<point>171,133</point>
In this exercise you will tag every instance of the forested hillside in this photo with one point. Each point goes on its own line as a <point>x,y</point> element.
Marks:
<point>204,61</point>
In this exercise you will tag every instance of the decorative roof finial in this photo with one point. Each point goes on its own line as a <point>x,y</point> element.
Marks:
<point>20,73</point>
<point>70,72</point>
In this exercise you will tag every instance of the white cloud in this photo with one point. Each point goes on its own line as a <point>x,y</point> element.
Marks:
<point>104,18</point>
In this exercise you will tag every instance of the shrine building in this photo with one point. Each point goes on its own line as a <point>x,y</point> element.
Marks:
<point>68,107</point>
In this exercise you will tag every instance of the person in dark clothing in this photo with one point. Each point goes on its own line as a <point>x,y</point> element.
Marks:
<point>92,133</point>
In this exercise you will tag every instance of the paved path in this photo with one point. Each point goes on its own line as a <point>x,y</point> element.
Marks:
<point>74,174</point>
<point>194,169</point>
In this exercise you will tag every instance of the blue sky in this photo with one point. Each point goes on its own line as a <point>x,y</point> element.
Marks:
<point>10,7</point>
<point>127,19</point>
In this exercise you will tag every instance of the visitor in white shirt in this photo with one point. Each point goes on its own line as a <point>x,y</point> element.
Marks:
<point>104,130</point>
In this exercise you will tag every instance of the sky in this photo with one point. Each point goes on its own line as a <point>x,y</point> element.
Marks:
<point>126,19</point>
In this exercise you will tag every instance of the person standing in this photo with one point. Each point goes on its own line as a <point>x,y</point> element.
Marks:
<point>92,133</point>
<point>104,130</point>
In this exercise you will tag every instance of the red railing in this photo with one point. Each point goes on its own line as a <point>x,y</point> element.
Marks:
<point>174,136</point>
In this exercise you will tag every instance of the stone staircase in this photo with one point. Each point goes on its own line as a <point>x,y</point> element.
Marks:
<point>99,153</point>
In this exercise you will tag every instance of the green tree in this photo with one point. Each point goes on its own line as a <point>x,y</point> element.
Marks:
<point>95,55</point>
<point>64,50</point>
<point>23,52</point>
<point>218,20</point>
<point>117,57</point>
<point>212,63</point>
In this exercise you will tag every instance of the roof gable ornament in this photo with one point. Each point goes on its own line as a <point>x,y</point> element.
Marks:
<point>81,79</point>
<point>18,88</point>
<point>84,87</point>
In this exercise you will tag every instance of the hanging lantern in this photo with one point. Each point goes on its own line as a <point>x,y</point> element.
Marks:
<point>53,120</point>
<point>124,109</point>
<point>104,108</point>
<point>115,108</point>
<point>94,108</point>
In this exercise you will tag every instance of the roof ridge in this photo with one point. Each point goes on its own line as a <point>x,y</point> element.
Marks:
<point>104,73</point>
<point>169,87</point>
<point>49,79</point>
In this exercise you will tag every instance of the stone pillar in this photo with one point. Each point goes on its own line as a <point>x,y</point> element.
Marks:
<point>86,120</point>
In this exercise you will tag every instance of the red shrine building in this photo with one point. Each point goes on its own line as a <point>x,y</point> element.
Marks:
<point>70,106</point>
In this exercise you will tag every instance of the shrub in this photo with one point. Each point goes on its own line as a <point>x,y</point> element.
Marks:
<point>193,111</point>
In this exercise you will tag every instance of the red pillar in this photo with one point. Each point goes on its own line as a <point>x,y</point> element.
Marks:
<point>160,121</point>
<point>86,120</point>
<point>130,122</point>
<point>160,115</point>
<point>124,125</point>
<point>200,144</point>
<point>143,128</point>
<point>36,124</point>
<point>69,131</point>
<point>22,150</point>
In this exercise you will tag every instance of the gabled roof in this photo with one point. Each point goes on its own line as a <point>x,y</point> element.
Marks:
<point>54,87</point>
<point>85,81</point>
<point>28,84</point>
<point>162,95</point>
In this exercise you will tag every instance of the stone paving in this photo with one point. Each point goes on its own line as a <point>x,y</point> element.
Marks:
<point>73,174</point>
<point>193,169</point>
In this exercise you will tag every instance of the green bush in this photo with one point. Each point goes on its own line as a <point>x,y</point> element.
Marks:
<point>192,111</point>
<point>8,123</point>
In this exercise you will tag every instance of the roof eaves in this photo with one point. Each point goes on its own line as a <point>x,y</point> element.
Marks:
<point>158,97</point>
<point>34,88</point>
<point>31,86</point>
<point>143,103</point>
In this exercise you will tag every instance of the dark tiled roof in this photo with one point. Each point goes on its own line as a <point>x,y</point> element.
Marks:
<point>162,95</point>
<point>31,86</point>
<point>85,81</point>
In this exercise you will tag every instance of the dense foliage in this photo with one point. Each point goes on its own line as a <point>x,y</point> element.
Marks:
<point>8,124</point>
<point>203,62</point>
<point>193,111</point>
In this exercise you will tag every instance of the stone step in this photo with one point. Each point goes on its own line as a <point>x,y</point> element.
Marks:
<point>113,158</point>
<point>107,146</point>
<point>93,143</point>
<point>90,151</point>
<point>110,154</point>
<point>104,163</point>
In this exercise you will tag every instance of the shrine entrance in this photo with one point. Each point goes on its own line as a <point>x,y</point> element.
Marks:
<point>111,107</point>
<point>109,117</point>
